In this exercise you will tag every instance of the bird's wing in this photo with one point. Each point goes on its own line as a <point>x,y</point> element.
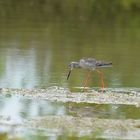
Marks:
<point>88,62</point>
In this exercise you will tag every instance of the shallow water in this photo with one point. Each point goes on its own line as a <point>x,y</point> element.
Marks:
<point>17,108</point>
<point>36,47</point>
<point>20,117</point>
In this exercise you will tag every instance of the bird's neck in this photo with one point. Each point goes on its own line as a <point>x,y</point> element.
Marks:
<point>76,65</point>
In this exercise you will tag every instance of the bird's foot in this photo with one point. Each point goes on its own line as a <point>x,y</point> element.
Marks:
<point>102,90</point>
<point>85,89</point>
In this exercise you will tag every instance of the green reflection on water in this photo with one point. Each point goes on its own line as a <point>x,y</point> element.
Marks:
<point>45,52</point>
<point>3,136</point>
<point>103,111</point>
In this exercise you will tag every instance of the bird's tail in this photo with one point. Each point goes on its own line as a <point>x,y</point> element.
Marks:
<point>103,64</point>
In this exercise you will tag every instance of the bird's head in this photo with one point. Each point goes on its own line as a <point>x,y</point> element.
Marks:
<point>71,66</point>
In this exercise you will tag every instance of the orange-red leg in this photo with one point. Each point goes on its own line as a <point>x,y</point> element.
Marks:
<point>87,80</point>
<point>102,79</point>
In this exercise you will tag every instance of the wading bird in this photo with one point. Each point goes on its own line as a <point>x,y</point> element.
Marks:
<point>89,64</point>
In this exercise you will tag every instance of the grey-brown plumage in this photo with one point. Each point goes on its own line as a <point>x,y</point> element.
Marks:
<point>89,64</point>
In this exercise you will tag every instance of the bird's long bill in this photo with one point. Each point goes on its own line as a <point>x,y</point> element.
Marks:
<point>68,74</point>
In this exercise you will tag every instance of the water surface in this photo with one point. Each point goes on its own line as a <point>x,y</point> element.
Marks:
<point>39,56</point>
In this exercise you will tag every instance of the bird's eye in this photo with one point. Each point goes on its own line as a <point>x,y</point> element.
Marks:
<point>69,65</point>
